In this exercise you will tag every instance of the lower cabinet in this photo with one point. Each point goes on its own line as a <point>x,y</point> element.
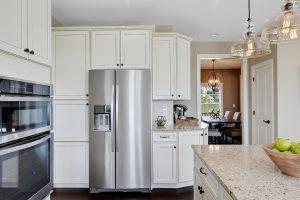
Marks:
<point>206,186</point>
<point>71,164</point>
<point>173,158</point>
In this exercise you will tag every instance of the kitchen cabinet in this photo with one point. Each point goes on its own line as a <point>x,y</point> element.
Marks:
<point>71,164</point>
<point>26,29</point>
<point>70,120</point>
<point>206,185</point>
<point>70,64</point>
<point>185,155</point>
<point>125,49</point>
<point>39,31</point>
<point>173,158</point>
<point>171,66</point>
<point>165,160</point>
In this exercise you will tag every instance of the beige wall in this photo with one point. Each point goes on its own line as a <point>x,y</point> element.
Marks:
<point>288,94</point>
<point>231,87</point>
<point>201,48</point>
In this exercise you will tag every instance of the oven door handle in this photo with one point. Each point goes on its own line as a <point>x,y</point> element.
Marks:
<point>24,146</point>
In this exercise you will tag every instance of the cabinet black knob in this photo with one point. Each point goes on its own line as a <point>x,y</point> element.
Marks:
<point>118,64</point>
<point>172,95</point>
<point>31,52</point>
<point>121,64</point>
<point>26,50</point>
<point>179,95</point>
<point>201,191</point>
<point>87,95</point>
<point>174,147</point>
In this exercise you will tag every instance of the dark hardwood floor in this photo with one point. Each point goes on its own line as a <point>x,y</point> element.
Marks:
<point>161,194</point>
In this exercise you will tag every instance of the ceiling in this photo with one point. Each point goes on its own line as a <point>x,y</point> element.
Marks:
<point>226,63</point>
<point>195,18</point>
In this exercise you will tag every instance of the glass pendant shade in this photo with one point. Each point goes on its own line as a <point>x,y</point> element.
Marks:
<point>250,45</point>
<point>285,26</point>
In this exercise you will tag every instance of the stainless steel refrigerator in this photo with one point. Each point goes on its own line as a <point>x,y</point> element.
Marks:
<point>120,130</point>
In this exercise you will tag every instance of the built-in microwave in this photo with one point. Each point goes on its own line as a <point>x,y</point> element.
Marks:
<point>25,109</point>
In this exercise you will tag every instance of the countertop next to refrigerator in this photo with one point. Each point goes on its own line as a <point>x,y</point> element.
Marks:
<point>201,126</point>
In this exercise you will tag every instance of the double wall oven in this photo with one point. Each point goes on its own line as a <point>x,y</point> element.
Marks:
<point>26,141</point>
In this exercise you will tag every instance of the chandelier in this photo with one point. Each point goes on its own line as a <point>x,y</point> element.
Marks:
<point>250,45</point>
<point>214,78</point>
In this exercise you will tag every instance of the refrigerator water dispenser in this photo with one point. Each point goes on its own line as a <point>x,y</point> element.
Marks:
<point>102,118</point>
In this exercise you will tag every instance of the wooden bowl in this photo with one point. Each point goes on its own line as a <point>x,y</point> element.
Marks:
<point>288,164</point>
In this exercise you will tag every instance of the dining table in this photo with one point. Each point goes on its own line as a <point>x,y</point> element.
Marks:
<point>220,121</point>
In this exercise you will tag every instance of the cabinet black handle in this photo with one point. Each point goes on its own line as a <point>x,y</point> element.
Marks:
<point>31,52</point>
<point>201,171</point>
<point>201,191</point>
<point>26,50</point>
<point>267,121</point>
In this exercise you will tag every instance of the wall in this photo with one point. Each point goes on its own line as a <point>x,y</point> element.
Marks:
<point>55,22</point>
<point>255,61</point>
<point>231,87</point>
<point>288,94</point>
<point>162,108</point>
<point>201,48</point>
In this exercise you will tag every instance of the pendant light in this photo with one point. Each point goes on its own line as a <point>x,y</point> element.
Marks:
<point>214,79</point>
<point>250,45</point>
<point>285,26</point>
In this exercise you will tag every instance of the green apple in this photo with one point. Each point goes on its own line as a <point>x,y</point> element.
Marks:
<point>275,150</point>
<point>295,145</point>
<point>289,152</point>
<point>282,144</point>
<point>296,150</point>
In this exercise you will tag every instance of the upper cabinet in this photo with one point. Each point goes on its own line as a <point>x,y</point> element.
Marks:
<point>71,62</point>
<point>125,49</point>
<point>26,29</point>
<point>39,30</point>
<point>171,66</point>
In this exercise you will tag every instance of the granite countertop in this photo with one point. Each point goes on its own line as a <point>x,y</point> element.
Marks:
<point>180,128</point>
<point>246,172</point>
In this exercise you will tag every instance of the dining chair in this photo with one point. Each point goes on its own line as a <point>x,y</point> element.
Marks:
<point>236,116</point>
<point>227,114</point>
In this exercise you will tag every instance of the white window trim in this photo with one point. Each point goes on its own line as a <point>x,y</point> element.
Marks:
<point>221,96</point>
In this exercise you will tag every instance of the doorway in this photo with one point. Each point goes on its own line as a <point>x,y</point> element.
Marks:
<point>242,105</point>
<point>262,103</point>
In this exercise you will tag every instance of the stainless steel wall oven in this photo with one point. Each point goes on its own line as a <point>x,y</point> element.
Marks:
<point>26,141</point>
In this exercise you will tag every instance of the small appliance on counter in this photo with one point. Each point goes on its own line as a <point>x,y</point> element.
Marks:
<point>179,111</point>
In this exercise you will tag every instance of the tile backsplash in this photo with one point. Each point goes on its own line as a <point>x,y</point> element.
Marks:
<point>163,108</point>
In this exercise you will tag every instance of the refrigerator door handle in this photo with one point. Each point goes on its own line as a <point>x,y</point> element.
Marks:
<point>112,123</point>
<point>117,117</point>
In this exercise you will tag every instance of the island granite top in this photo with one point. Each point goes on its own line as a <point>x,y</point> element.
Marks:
<point>246,172</point>
<point>180,128</point>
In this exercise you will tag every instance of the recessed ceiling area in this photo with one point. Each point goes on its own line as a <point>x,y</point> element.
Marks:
<point>225,63</point>
<point>198,19</point>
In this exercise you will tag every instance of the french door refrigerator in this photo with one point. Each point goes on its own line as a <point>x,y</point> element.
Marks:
<point>120,130</point>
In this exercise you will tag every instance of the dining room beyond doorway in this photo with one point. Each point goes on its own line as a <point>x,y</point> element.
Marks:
<point>221,99</point>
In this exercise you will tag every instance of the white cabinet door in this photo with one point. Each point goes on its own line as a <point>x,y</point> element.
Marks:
<point>164,162</point>
<point>186,154</point>
<point>205,136</point>
<point>105,49</point>
<point>71,164</point>
<point>70,64</point>
<point>163,68</point>
<point>135,49</point>
<point>13,23</point>
<point>70,120</point>
<point>39,31</point>
<point>183,58</point>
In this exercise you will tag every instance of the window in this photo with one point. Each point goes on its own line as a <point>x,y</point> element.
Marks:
<point>211,101</point>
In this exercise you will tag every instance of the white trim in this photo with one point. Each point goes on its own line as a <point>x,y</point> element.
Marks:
<point>246,93</point>
<point>90,28</point>
<point>253,106</point>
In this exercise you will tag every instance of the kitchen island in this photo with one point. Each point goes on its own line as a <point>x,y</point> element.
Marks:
<point>239,172</point>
